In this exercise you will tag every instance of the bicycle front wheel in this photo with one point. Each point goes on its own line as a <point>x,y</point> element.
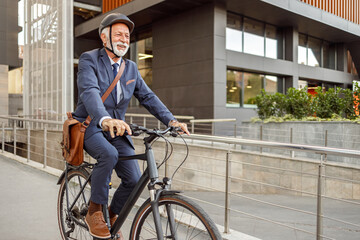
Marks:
<point>71,221</point>
<point>180,218</point>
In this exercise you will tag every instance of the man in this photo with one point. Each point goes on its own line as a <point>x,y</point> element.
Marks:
<point>96,71</point>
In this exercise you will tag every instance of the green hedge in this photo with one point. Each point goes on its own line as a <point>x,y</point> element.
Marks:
<point>299,104</point>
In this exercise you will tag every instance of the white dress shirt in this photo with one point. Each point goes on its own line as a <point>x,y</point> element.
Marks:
<point>118,89</point>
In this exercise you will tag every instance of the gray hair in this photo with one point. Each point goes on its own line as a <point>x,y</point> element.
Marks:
<point>106,32</point>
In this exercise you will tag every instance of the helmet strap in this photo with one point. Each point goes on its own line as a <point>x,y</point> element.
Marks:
<point>111,44</point>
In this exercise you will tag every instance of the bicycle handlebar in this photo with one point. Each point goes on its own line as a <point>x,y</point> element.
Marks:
<point>137,130</point>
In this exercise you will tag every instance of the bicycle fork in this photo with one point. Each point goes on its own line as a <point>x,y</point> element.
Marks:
<point>155,195</point>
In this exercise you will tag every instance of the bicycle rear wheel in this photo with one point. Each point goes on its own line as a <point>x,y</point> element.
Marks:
<point>71,223</point>
<point>181,218</point>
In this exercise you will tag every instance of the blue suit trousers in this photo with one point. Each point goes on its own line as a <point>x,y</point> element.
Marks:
<point>106,151</point>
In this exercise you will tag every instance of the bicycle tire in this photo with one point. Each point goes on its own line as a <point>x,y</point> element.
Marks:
<point>191,221</point>
<point>74,227</point>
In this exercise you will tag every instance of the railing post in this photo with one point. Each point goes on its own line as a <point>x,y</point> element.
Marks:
<point>28,141</point>
<point>227,192</point>
<point>212,128</point>
<point>326,137</point>
<point>144,123</point>
<point>3,137</point>
<point>292,153</point>
<point>192,127</point>
<point>235,129</point>
<point>14,137</point>
<point>261,136</point>
<point>131,119</point>
<point>159,124</point>
<point>319,220</point>
<point>45,143</point>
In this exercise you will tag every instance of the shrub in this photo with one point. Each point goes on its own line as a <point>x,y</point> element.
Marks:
<point>279,104</point>
<point>335,104</point>
<point>299,103</point>
<point>265,105</point>
<point>327,103</point>
<point>350,99</point>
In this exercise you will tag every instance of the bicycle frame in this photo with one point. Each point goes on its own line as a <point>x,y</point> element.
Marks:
<point>150,174</point>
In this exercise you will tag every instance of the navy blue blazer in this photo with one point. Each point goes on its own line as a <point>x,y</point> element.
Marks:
<point>95,76</point>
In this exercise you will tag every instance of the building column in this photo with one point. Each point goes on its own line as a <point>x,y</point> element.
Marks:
<point>220,21</point>
<point>291,37</point>
<point>341,57</point>
<point>4,95</point>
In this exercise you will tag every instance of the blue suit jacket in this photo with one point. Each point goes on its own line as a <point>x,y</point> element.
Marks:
<point>95,76</point>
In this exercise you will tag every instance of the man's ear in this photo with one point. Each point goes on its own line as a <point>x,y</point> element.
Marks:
<point>103,38</point>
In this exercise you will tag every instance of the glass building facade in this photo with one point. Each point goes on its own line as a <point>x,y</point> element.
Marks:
<point>316,52</point>
<point>253,37</point>
<point>48,58</point>
<point>242,87</point>
<point>141,52</point>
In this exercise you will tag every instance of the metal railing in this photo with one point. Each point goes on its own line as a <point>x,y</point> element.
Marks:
<point>328,134</point>
<point>207,126</point>
<point>231,143</point>
<point>219,165</point>
<point>149,121</point>
<point>200,126</point>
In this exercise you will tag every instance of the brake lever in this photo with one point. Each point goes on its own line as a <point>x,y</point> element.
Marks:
<point>175,131</point>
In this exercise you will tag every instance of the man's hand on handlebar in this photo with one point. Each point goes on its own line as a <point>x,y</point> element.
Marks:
<point>183,127</point>
<point>117,125</point>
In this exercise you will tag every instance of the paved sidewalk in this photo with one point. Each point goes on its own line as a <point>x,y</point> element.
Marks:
<point>27,202</point>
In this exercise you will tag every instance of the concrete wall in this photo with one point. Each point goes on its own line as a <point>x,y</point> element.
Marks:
<point>15,104</point>
<point>183,65</point>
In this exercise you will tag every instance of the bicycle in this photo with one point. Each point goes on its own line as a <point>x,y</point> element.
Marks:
<point>165,215</point>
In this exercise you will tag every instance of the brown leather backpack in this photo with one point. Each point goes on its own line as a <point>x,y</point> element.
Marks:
<point>74,131</point>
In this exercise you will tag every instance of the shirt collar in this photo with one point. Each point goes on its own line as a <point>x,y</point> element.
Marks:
<point>112,61</point>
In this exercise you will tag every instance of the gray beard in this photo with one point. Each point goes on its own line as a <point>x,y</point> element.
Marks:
<point>118,52</point>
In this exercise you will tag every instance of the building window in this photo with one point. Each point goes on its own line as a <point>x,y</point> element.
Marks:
<point>243,87</point>
<point>302,53</point>
<point>272,40</point>
<point>253,83</point>
<point>271,84</point>
<point>326,55</point>
<point>144,59</point>
<point>316,53</point>
<point>350,64</point>
<point>234,34</point>
<point>234,88</point>
<point>141,53</point>
<point>252,36</point>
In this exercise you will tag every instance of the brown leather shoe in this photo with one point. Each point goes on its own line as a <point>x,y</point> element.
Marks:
<point>97,226</point>
<point>119,234</point>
